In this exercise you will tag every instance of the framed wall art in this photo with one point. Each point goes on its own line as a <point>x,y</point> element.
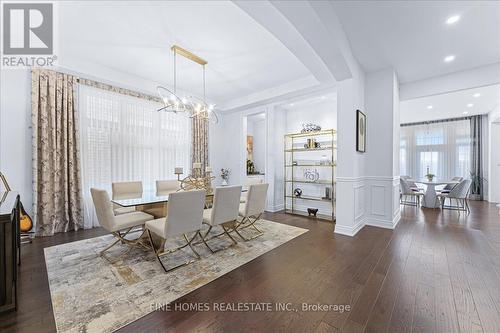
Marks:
<point>360,131</point>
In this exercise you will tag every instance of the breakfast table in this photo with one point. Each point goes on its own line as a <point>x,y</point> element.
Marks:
<point>430,195</point>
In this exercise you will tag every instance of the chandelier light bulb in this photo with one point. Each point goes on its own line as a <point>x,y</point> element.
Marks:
<point>187,105</point>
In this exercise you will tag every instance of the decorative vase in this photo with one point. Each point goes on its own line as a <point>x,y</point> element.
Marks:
<point>224,182</point>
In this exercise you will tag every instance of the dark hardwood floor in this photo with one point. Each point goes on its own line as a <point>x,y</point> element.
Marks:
<point>436,272</point>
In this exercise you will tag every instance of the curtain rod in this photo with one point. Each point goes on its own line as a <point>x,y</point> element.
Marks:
<point>104,86</point>
<point>436,121</point>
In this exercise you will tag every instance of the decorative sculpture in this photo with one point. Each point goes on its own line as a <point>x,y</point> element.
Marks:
<point>310,127</point>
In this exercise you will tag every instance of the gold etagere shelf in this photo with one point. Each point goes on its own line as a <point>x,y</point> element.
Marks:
<point>299,156</point>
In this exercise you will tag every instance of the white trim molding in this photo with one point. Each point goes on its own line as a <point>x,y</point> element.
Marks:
<point>374,201</point>
<point>352,198</point>
<point>350,231</point>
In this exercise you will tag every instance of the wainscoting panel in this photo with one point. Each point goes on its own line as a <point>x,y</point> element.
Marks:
<point>359,201</point>
<point>364,201</point>
<point>396,215</point>
<point>377,202</point>
<point>351,203</point>
<point>384,209</point>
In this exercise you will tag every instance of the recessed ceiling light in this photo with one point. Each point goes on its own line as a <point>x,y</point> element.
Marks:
<point>429,107</point>
<point>470,105</point>
<point>465,112</point>
<point>323,97</point>
<point>453,19</point>
<point>476,95</point>
<point>291,104</point>
<point>449,58</point>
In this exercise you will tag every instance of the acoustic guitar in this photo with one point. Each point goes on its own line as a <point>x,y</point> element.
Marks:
<point>25,221</point>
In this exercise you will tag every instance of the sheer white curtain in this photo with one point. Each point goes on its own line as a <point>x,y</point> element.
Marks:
<point>443,147</point>
<point>124,138</point>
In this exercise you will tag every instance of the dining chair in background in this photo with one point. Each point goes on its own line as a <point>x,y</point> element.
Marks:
<point>460,194</point>
<point>411,183</point>
<point>251,211</point>
<point>164,187</point>
<point>118,225</point>
<point>450,187</point>
<point>408,191</point>
<point>248,182</point>
<point>224,213</point>
<point>125,190</point>
<point>185,216</point>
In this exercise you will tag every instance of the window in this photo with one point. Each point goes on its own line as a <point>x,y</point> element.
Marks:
<point>442,148</point>
<point>124,138</point>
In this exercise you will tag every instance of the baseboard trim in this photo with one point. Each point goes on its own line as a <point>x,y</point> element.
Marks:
<point>383,223</point>
<point>276,208</point>
<point>350,231</point>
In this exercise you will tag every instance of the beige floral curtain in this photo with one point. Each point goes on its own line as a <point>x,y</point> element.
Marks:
<point>57,199</point>
<point>200,144</point>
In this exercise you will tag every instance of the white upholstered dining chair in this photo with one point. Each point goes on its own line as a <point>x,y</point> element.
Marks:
<point>250,181</point>
<point>164,187</point>
<point>125,190</point>
<point>224,211</point>
<point>408,191</point>
<point>460,194</point>
<point>449,187</point>
<point>185,216</point>
<point>118,225</point>
<point>251,211</point>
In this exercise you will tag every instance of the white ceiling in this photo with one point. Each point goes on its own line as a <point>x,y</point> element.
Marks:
<point>315,100</point>
<point>246,60</point>
<point>450,105</point>
<point>412,36</point>
<point>135,37</point>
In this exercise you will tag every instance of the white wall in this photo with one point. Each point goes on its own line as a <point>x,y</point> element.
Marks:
<point>225,147</point>
<point>260,145</point>
<point>15,132</point>
<point>351,190</point>
<point>256,128</point>
<point>323,114</point>
<point>493,174</point>
<point>382,167</point>
<point>477,77</point>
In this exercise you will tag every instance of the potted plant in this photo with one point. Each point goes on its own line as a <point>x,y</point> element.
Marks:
<point>476,188</point>
<point>224,174</point>
<point>430,176</point>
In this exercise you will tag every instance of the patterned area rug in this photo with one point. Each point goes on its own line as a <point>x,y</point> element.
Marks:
<point>91,294</point>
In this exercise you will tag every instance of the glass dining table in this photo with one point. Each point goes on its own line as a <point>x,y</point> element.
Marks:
<point>155,203</point>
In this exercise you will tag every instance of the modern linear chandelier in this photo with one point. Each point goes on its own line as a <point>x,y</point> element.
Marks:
<point>189,105</point>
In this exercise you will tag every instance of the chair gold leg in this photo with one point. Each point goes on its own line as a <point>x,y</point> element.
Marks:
<point>161,252</point>
<point>109,246</point>
<point>205,239</point>
<point>242,225</point>
<point>122,240</point>
<point>226,231</point>
<point>189,241</point>
<point>155,251</point>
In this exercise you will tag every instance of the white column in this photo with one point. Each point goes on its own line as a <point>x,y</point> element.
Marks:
<point>382,164</point>
<point>350,188</point>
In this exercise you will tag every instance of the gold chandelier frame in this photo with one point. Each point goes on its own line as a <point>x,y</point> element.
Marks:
<point>190,105</point>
